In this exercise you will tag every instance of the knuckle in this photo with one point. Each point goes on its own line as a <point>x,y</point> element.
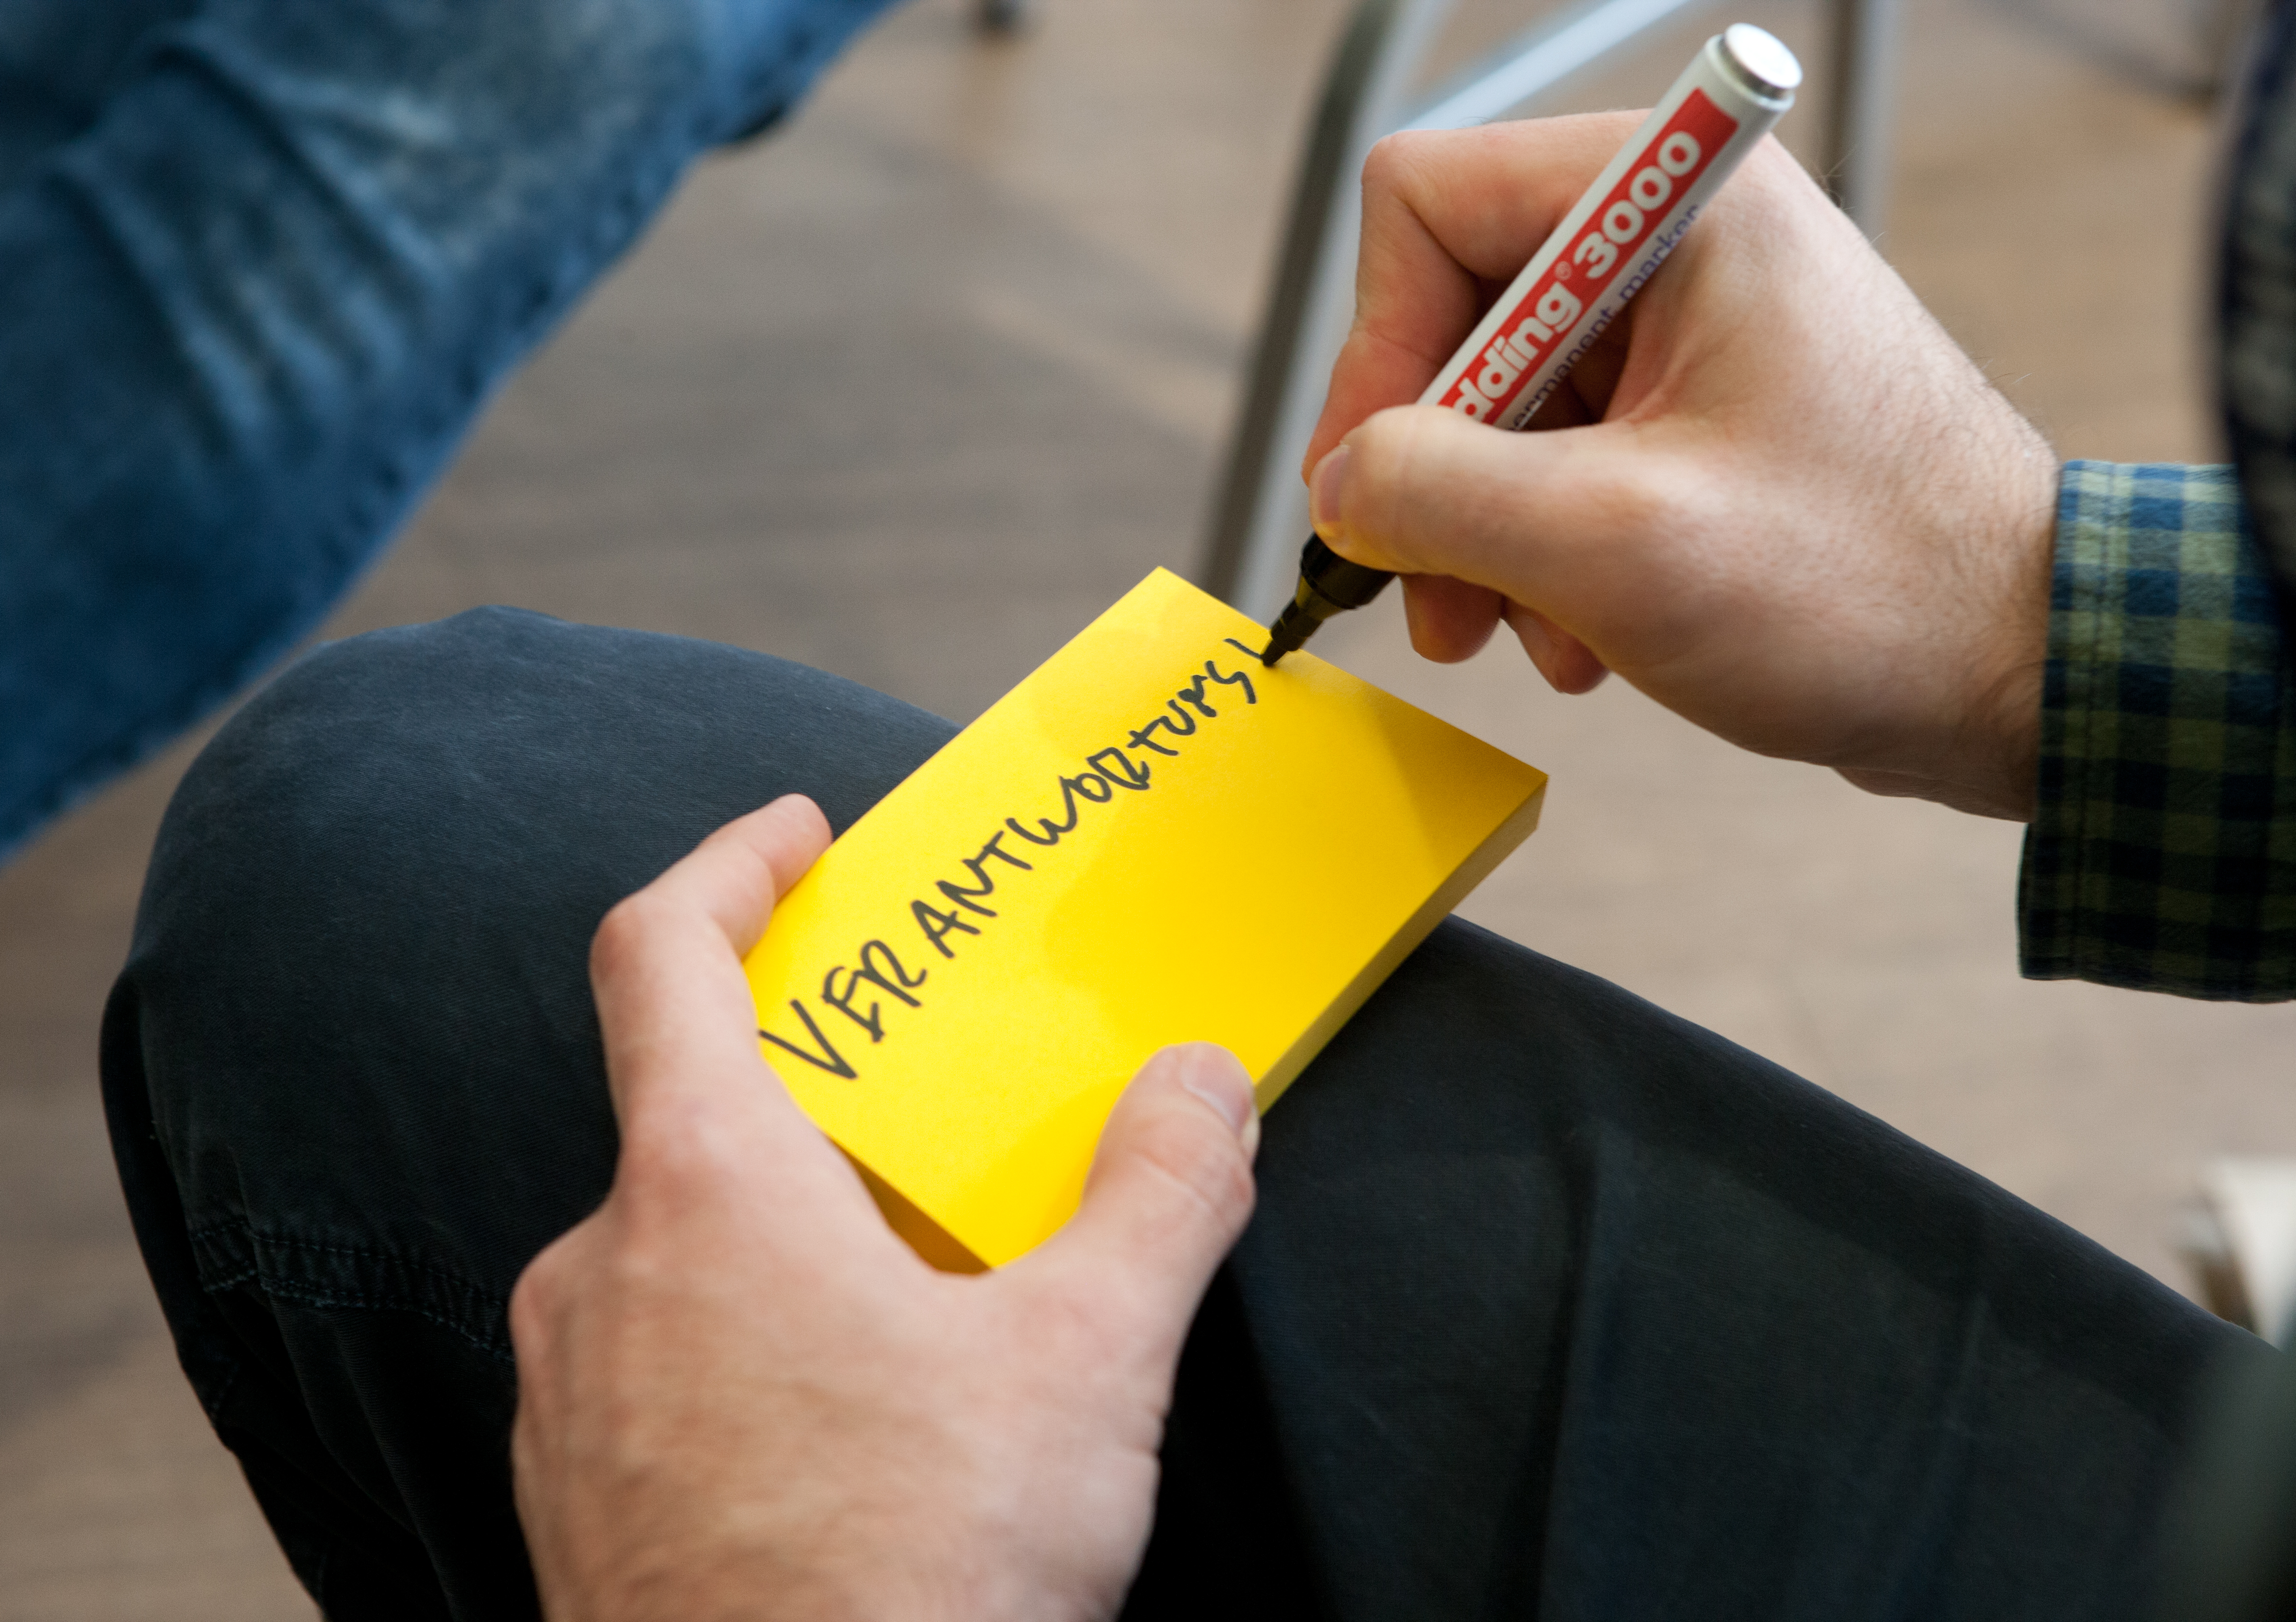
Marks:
<point>1633,507</point>
<point>619,936</point>
<point>627,933</point>
<point>1197,1153</point>
<point>535,1297</point>
<point>1640,499</point>
<point>1378,451</point>
<point>1387,456</point>
<point>1392,159</point>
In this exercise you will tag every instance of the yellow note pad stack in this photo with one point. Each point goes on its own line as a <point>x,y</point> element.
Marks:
<point>1153,839</point>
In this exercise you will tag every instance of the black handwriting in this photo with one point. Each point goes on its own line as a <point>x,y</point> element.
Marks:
<point>1124,773</point>
<point>1106,772</point>
<point>936,924</point>
<point>834,1064</point>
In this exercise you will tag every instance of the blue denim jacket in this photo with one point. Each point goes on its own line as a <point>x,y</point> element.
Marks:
<point>260,265</point>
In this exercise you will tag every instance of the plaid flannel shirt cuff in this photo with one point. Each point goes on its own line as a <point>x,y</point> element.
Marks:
<point>2163,856</point>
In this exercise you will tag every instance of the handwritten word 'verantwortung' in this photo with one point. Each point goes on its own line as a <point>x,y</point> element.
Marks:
<point>856,990</point>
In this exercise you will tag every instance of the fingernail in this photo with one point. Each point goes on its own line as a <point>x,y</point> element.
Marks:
<point>1323,492</point>
<point>1213,1075</point>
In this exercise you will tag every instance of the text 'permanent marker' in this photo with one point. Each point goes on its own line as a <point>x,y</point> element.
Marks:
<point>1616,237</point>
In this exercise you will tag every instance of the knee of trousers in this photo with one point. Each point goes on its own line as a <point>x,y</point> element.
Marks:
<point>439,798</point>
<point>360,969</point>
<point>375,774</point>
<point>492,760</point>
<point>353,975</point>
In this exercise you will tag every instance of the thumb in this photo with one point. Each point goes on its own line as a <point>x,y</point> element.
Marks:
<point>1169,1192</point>
<point>1421,490</point>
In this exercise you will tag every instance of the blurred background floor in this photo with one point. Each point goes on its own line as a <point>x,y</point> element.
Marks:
<point>914,389</point>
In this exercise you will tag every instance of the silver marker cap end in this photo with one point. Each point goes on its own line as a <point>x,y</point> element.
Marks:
<point>1759,54</point>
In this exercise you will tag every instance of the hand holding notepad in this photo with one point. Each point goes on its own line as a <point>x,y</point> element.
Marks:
<point>1151,839</point>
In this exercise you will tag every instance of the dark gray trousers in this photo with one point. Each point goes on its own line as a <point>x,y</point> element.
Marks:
<point>1554,1305</point>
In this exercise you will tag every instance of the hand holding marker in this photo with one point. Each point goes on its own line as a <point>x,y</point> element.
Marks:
<point>1615,238</point>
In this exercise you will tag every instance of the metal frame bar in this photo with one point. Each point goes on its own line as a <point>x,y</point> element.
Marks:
<point>1362,100</point>
<point>1540,58</point>
<point>1260,516</point>
<point>1863,89</point>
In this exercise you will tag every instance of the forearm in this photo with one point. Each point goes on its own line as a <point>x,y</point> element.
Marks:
<point>2163,856</point>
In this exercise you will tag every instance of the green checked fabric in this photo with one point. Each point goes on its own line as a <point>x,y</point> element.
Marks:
<point>2163,856</point>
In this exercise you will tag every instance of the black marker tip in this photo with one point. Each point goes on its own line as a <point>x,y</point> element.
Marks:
<point>1289,633</point>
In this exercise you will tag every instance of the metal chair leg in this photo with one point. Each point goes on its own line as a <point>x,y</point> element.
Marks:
<point>1001,16</point>
<point>1259,519</point>
<point>1859,118</point>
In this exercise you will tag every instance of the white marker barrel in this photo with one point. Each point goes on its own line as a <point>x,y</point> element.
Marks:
<point>1621,230</point>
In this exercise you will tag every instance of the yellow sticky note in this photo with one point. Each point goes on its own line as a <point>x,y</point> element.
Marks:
<point>1153,839</point>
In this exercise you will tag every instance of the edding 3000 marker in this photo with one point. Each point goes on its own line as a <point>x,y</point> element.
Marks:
<point>1739,85</point>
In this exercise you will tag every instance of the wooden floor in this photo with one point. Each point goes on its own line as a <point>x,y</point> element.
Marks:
<point>914,389</point>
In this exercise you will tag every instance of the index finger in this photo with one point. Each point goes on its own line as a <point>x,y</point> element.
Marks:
<point>1449,218</point>
<point>674,1006</point>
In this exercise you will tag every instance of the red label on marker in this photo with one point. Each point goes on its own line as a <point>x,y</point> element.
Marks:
<point>1612,238</point>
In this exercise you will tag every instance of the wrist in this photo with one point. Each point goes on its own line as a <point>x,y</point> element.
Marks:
<point>1973,743</point>
<point>2004,715</point>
